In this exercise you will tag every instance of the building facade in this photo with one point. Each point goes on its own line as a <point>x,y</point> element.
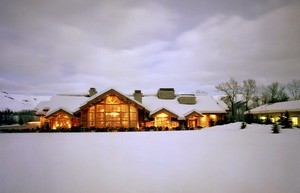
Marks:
<point>113,109</point>
<point>274,111</point>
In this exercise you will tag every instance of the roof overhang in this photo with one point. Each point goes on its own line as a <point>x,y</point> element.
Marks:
<point>59,110</point>
<point>101,96</point>
<point>163,110</point>
<point>193,112</point>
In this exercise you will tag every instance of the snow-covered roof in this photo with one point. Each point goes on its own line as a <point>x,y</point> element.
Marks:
<point>41,106</point>
<point>110,90</point>
<point>204,104</point>
<point>291,106</point>
<point>72,103</point>
<point>69,104</point>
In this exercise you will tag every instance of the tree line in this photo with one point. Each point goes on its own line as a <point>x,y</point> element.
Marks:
<point>245,95</point>
<point>8,117</point>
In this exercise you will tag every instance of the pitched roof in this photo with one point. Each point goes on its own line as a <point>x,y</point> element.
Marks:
<point>41,106</point>
<point>163,109</point>
<point>205,104</point>
<point>109,91</point>
<point>60,109</point>
<point>73,103</point>
<point>67,103</point>
<point>279,107</point>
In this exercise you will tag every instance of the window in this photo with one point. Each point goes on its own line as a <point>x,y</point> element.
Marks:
<point>113,112</point>
<point>62,120</point>
<point>91,119</point>
<point>213,117</point>
<point>295,120</point>
<point>193,121</point>
<point>162,120</point>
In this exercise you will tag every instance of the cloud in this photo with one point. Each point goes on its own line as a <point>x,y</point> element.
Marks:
<point>232,46</point>
<point>61,46</point>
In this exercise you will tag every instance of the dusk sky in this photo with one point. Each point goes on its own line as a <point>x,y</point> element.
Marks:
<point>64,46</point>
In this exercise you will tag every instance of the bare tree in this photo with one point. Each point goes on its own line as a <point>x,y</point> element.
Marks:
<point>276,93</point>
<point>231,89</point>
<point>263,95</point>
<point>248,91</point>
<point>293,89</point>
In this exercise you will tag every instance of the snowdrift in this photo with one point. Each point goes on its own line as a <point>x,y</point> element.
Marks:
<point>213,160</point>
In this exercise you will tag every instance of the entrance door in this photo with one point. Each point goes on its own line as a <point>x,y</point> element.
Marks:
<point>193,123</point>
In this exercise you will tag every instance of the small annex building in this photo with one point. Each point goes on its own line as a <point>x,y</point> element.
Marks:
<point>275,110</point>
<point>114,109</point>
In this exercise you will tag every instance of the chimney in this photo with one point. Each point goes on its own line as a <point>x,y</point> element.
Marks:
<point>138,96</point>
<point>92,91</point>
<point>166,93</point>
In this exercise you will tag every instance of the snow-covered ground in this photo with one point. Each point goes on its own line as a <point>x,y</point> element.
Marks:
<point>218,159</point>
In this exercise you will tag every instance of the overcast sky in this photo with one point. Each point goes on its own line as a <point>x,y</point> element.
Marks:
<point>61,46</point>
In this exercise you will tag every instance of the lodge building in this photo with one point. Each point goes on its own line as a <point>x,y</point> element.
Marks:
<point>113,109</point>
<point>275,110</point>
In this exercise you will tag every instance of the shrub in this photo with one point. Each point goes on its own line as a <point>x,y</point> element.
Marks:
<point>275,128</point>
<point>211,122</point>
<point>244,125</point>
<point>268,121</point>
<point>249,118</point>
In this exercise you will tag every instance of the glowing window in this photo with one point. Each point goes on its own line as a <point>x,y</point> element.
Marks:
<point>62,120</point>
<point>263,118</point>
<point>112,100</point>
<point>213,117</point>
<point>295,120</point>
<point>162,120</point>
<point>91,119</point>
<point>113,112</point>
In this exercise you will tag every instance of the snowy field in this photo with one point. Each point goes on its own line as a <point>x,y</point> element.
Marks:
<point>223,159</point>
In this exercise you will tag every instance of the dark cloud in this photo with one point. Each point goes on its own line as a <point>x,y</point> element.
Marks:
<point>68,46</point>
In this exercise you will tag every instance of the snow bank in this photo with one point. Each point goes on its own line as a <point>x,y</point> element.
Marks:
<point>218,159</point>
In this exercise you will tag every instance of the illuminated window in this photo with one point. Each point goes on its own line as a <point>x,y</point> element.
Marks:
<point>203,122</point>
<point>113,112</point>
<point>295,120</point>
<point>62,120</point>
<point>174,124</point>
<point>112,100</point>
<point>193,121</point>
<point>164,120</point>
<point>263,118</point>
<point>213,117</point>
<point>91,118</point>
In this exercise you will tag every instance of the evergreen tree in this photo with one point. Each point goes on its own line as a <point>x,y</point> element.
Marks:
<point>21,122</point>
<point>275,128</point>
<point>285,120</point>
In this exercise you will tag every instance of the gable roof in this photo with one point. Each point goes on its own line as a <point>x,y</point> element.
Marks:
<point>41,106</point>
<point>192,112</point>
<point>68,103</point>
<point>66,111</point>
<point>204,104</point>
<point>103,94</point>
<point>290,106</point>
<point>151,103</point>
<point>163,109</point>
